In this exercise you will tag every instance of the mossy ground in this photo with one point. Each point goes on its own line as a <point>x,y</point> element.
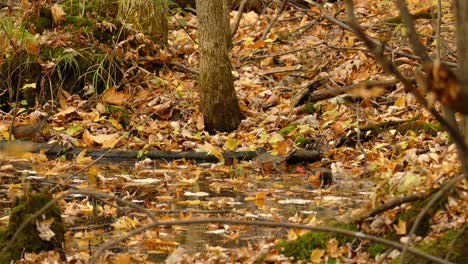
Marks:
<point>28,240</point>
<point>302,247</point>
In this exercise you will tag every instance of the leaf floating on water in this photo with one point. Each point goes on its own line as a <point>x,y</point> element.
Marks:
<point>294,201</point>
<point>147,180</point>
<point>196,194</point>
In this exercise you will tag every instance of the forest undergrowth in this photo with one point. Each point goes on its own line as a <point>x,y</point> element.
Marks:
<point>377,142</point>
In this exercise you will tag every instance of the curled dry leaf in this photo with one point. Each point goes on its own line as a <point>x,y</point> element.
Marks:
<point>112,96</point>
<point>58,15</point>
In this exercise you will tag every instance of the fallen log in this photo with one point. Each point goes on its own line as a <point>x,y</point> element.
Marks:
<point>55,150</point>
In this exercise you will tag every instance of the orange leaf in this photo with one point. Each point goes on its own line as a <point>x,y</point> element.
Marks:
<point>112,96</point>
<point>259,44</point>
<point>400,102</point>
<point>57,14</point>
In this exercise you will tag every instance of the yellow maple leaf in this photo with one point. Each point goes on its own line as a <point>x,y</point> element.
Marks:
<point>231,143</point>
<point>316,255</point>
<point>400,102</point>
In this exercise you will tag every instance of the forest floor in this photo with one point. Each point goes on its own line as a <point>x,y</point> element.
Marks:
<point>156,107</point>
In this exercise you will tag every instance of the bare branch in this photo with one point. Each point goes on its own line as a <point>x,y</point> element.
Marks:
<point>279,10</point>
<point>240,11</point>
<point>347,27</point>
<point>426,208</point>
<point>413,36</point>
<point>392,204</point>
<point>33,217</point>
<point>389,67</point>
<point>271,224</point>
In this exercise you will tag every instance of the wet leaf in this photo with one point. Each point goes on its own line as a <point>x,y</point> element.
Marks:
<point>316,255</point>
<point>232,143</point>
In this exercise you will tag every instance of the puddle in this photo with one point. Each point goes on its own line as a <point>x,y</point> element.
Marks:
<point>200,191</point>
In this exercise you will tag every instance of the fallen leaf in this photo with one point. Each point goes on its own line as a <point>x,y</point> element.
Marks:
<point>44,230</point>
<point>401,227</point>
<point>58,15</point>
<point>316,255</point>
<point>114,97</point>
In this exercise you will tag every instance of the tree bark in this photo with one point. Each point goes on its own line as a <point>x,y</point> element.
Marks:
<point>219,103</point>
<point>226,11</point>
<point>162,28</point>
<point>461,19</point>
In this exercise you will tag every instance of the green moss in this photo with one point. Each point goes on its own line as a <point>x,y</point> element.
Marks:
<point>3,234</point>
<point>120,113</point>
<point>302,247</point>
<point>409,216</point>
<point>93,7</point>
<point>28,240</point>
<point>418,127</point>
<point>77,21</point>
<point>49,53</point>
<point>300,141</point>
<point>20,70</point>
<point>286,130</point>
<point>453,243</point>
<point>308,108</point>
<point>375,249</point>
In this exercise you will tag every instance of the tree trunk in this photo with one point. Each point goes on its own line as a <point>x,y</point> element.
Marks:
<point>219,103</point>
<point>461,18</point>
<point>162,28</point>
<point>226,11</point>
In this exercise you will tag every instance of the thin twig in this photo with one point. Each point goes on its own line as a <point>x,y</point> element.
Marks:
<point>94,258</point>
<point>392,204</point>
<point>182,66</point>
<point>358,141</point>
<point>74,190</point>
<point>408,22</point>
<point>448,113</point>
<point>454,240</point>
<point>150,214</point>
<point>279,11</point>
<point>186,32</point>
<point>436,197</point>
<point>238,17</point>
<point>438,29</point>
<point>64,182</point>
<point>347,27</point>
<point>282,53</point>
<point>420,50</point>
<point>25,222</point>
<point>452,130</point>
<point>389,67</point>
<point>327,94</point>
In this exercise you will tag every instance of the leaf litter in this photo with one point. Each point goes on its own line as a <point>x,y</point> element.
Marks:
<point>162,108</point>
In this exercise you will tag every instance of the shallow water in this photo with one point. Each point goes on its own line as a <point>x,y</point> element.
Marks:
<point>204,190</point>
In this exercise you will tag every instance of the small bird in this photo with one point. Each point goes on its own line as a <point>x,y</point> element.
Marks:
<point>31,131</point>
<point>269,162</point>
<point>320,177</point>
